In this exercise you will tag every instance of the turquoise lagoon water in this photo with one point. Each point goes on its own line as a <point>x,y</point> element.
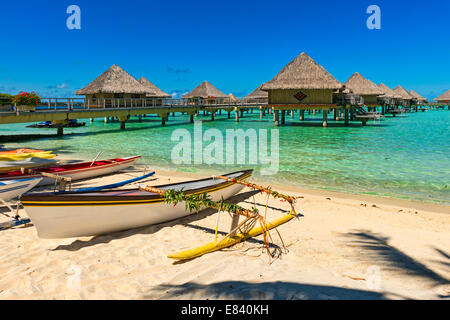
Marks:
<point>404,157</point>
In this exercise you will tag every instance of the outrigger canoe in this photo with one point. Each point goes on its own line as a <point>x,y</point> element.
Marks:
<point>27,164</point>
<point>76,171</point>
<point>77,214</point>
<point>11,189</point>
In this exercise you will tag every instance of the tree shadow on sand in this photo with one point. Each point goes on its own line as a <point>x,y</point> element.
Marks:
<point>377,250</point>
<point>187,221</point>
<point>278,290</point>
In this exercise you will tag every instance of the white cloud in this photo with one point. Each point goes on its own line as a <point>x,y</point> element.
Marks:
<point>62,85</point>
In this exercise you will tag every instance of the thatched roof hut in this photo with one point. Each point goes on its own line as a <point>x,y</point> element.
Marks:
<point>365,88</point>
<point>115,80</point>
<point>388,92</point>
<point>205,90</point>
<point>303,82</point>
<point>158,92</point>
<point>302,73</point>
<point>232,98</point>
<point>445,97</point>
<point>257,94</point>
<point>417,96</point>
<point>362,86</point>
<point>403,93</point>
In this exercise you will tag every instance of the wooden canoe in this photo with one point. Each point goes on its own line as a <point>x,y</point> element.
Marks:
<point>10,189</point>
<point>76,171</point>
<point>65,215</point>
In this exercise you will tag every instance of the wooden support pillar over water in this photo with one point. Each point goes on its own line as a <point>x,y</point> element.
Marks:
<point>325,118</point>
<point>236,114</point>
<point>276,117</point>
<point>302,115</point>
<point>314,112</point>
<point>123,120</point>
<point>60,130</point>
<point>91,120</point>
<point>229,114</point>
<point>283,117</point>
<point>140,118</point>
<point>106,119</point>
<point>191,118</point>
<point>212,115</point>
<point>242,113</point>
<point>346,116</point>
<point>335,114</point>
<point>292,114</point>
<point>261,112</point>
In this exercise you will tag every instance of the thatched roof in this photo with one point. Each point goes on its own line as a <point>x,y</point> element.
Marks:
<point>258,94</point>
<point>362,86</point>
<point>388,92</point>
<point>115,80</point>
<point>403,93</point>
<point>158,92</point>
<point>416,95</point>
<point>444,97</point>
<point>205,90</point>
<point>233,98</point>
<point>302,73</point>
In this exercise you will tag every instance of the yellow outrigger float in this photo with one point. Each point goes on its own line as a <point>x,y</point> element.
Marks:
<point>228,242</point>
<point>246,228</point>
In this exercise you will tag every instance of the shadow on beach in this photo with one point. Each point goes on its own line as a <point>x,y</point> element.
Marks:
<point>376,249</point>
<point>278,290</point>
<point>187,221</point>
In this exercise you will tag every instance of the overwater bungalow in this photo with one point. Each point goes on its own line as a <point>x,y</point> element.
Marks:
<point>302,84</point>
<point>158,93</point>
<point>232,98</point>
<point>390,97</point>
<point>444,98</point>
<point>406,99</point>
<point>205,93</point>
<point>257,96</point>
<point>365,88</point>
<point>115,87</point>
<point>158,96</point>
<point>418,99</point>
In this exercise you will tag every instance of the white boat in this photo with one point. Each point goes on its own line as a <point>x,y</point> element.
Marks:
<point>29,163</point>
<point>77,214</point>
<point>76,171</point>
<point>10,189</point>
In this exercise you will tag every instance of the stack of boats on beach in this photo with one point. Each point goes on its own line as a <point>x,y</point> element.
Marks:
<point>65,212</point>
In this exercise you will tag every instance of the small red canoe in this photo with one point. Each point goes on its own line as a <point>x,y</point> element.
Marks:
<point>76,171</point>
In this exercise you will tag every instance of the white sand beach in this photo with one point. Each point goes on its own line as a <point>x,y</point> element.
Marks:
<point>341,246</point>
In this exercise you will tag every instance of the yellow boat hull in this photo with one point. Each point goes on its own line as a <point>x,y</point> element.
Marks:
<point>228,242</point>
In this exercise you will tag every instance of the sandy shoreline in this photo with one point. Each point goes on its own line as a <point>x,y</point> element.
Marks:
<point>342,247</point>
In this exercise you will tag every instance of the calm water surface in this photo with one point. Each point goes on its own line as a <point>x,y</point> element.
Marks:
<point>404,157</point>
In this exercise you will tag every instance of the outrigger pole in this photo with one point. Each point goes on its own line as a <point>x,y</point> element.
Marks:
<point>247,227</point>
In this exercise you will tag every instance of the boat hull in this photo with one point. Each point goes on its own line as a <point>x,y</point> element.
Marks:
<point>96,214</point>
<point>80,173</point>
<point>14,188</point>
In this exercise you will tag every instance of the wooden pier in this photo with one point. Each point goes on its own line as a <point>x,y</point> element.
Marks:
<point>60,110</point>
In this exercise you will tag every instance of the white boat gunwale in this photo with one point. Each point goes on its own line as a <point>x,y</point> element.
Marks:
<point>118,197</point>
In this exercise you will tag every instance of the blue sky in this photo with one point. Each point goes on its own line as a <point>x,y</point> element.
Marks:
<point>236,45</point>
